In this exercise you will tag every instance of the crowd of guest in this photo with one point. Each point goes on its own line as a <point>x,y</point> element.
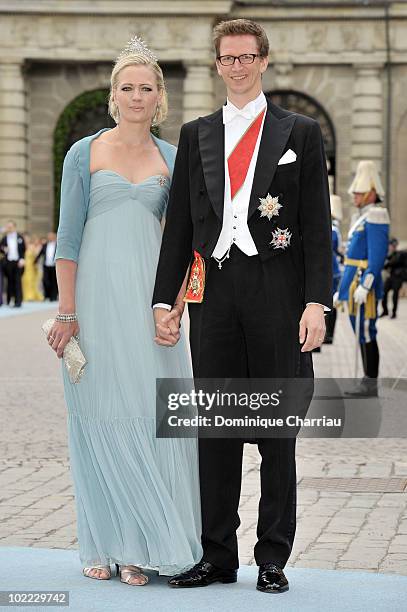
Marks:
<point>396,274</point>
<point>27,267</point>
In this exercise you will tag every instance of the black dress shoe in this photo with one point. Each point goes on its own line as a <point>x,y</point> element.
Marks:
<point>271,579</point>
<point>366,387</point>
<point>203,574</point>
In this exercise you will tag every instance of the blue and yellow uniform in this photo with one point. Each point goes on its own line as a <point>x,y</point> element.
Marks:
<point>336,243</point>
<point>366,253</point>
<point>336,274</point>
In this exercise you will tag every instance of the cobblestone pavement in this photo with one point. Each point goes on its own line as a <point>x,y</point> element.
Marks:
<point>336,529</point>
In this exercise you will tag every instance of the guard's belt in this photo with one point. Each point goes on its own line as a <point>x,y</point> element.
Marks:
<point>358,263</point>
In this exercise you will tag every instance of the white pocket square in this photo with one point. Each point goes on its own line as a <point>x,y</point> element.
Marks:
<point>288,157</point>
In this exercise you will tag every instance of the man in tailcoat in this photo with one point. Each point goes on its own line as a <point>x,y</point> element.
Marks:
<point>249,203</point>
<point>12,246</point>
<point>396,267</point>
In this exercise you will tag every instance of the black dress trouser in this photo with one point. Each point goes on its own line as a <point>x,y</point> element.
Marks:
<point>14,288</point>
<point>395,284</point>
<point>247,326</point>
<point>49,280</point>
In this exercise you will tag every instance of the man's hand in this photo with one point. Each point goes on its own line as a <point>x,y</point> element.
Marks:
<point>312,327</point>
<point>337,303</point>
<point>335,300</point>
<point>167,324</point>
<point>360,295</point>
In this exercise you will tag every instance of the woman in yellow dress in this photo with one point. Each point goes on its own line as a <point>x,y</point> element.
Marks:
<point>32,275</point>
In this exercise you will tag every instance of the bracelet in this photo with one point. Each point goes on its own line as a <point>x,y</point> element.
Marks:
<point>66,318</point>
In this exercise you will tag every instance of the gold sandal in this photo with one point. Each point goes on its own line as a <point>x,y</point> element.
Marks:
<point>127,572</point>
<point>86,571</point>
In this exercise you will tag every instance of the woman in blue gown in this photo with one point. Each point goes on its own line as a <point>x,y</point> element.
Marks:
<point>137,497</point>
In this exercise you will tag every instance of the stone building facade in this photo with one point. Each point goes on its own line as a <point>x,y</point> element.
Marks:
<point>344,63</point>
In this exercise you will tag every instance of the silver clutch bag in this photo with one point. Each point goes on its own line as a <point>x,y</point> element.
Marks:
<point>73,357</point>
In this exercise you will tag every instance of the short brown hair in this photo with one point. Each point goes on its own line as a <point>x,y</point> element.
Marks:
<point>241,26</point>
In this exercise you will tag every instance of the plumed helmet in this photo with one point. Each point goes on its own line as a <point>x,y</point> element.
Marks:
<point>366,179</point>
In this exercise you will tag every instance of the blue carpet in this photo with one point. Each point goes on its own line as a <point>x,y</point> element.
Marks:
<point>310,589</point>
<point>26,308</point>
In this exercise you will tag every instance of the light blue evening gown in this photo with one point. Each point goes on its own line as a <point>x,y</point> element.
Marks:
<point>137,496</point>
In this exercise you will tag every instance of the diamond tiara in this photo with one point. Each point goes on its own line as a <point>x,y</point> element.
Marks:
<point>136,45</point>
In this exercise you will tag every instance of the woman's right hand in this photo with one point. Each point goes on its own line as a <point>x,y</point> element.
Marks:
<point>60,334</point>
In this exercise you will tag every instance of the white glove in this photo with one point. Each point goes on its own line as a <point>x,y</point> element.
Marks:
<point>360,295</point>
<point>335,299</point>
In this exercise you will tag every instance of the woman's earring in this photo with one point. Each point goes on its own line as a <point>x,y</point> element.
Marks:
<point>154,120</point>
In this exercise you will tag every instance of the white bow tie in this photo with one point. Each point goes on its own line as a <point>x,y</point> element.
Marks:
<point>230,112</point>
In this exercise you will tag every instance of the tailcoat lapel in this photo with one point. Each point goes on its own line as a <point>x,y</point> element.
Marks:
<point>275,134</point>
<point>211,136</point>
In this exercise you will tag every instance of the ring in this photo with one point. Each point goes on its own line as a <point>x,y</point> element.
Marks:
<point>52,338</point>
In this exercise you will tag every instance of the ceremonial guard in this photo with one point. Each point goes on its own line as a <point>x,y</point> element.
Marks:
<point>361,283</point>
<point>336,214</point>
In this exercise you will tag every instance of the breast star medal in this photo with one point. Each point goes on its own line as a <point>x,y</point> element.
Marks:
<point>269,206</point>
<point>196,282</point>
<point>281,238</point>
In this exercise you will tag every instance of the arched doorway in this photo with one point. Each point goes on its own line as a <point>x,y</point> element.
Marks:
<point>305,105</point>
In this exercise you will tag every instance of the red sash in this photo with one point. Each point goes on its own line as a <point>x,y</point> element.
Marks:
<point>241,156</point>
<point>238,165</point>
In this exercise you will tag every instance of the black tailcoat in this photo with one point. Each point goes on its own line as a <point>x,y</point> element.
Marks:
<point>195,209</point>
<point>248,323</point>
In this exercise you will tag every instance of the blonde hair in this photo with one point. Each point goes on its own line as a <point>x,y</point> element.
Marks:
<point>234,27</point>
<point>136,59</point>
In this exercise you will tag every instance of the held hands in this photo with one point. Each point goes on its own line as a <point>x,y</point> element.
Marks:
<point>312,327</point>
<point>60,334</point>
<point>167,324</point>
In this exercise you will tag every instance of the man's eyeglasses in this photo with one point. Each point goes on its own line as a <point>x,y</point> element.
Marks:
<point>245,58</point>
